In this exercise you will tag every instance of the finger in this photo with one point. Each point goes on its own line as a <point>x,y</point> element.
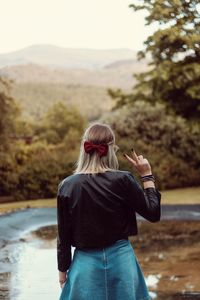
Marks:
<point>135,157</point>
<point>130,159</point>
<point>140,157</point>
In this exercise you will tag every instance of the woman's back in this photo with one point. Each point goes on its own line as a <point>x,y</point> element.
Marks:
<point>100,209</point>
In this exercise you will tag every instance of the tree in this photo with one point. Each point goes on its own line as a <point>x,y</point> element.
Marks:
<point>9,111</point>
<point>61,122</point>
<point>174,74</point>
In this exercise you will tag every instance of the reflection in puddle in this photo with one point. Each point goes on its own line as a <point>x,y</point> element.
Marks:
<point>36,275</point>
<point>152,280</point>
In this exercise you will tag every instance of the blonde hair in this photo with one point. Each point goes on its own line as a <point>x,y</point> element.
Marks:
<point>97,133</point>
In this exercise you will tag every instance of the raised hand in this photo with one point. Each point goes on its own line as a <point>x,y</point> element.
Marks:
<point>140,163</point>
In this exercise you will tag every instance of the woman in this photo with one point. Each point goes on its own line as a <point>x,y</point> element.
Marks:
<point>96,208</point>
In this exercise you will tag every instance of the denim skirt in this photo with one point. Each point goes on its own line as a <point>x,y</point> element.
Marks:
<point>110,273</point>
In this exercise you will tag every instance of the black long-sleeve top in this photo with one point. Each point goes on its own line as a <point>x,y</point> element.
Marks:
<point>93,211</point>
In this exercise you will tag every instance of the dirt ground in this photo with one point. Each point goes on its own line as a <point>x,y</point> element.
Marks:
<point>170,250</point>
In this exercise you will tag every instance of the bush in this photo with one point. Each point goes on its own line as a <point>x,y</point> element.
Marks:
<point>59,122</point>
<point>42,171</point>
<point>169,142</point>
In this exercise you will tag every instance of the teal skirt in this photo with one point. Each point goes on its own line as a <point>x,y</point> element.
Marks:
<point>110,273</point>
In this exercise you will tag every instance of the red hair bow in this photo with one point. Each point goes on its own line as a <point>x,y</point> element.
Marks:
<point>102,149</point>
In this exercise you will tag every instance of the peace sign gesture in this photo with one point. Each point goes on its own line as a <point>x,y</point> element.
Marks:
<point>140,163</point>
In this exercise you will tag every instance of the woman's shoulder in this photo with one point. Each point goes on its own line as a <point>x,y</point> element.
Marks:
<point>72,179</point>
<point>123,173</point>
<point>77,176</point>
<point>66,182</point>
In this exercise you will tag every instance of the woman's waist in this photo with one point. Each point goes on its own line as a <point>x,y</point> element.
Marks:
<point>121,241</point>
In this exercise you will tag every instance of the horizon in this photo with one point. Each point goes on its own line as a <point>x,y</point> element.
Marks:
<point>72,48</point>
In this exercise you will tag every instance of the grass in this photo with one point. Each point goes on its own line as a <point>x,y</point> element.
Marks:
<point>6,207</point>
<point>175,196</point>
<point>181,196</point>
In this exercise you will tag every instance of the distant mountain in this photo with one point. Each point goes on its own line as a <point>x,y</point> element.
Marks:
<point>44,74</point>
<point>66,57</point>
<point>118,74</point>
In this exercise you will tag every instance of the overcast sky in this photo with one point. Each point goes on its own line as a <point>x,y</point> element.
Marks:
<point>96,24</point>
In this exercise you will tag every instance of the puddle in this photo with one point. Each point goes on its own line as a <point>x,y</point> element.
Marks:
<point>168,253</point>
<point>35,276</point>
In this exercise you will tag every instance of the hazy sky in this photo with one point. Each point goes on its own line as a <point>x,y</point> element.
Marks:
<point>96,24</point>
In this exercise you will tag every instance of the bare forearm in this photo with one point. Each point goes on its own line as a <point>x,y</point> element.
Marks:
<point>62,276</point>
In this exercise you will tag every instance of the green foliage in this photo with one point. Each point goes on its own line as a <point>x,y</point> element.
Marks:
<point>155,118</point>
<point>174,77</point>
<point>33,170</point>
<point>40,175</point>
<point>59,123</point>
<point>9,111</point>
<point>8,173</point>
<point>24,128</point>
<point>168,141</point>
